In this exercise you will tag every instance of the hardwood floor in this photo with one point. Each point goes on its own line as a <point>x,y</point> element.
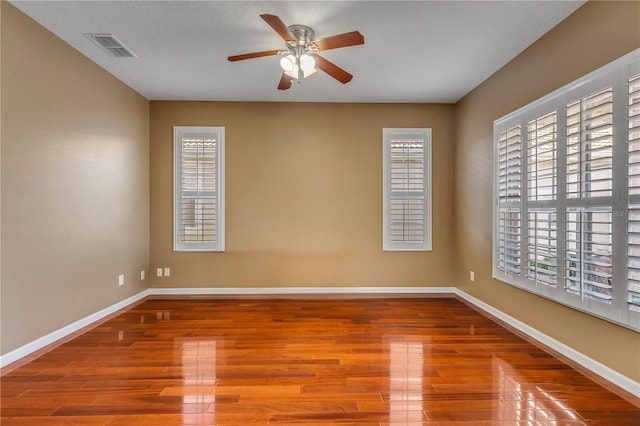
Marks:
<point>400,361</point>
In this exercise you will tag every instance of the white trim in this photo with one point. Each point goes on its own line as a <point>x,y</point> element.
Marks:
<point>594,366</point>
<point>300,290</point>
<point>591,364</point>
<point>65,331</point>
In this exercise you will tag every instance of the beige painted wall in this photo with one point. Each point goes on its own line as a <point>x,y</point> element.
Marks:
<point>75,184</point>
<point>0,177</point>
<point>594,35</point>
<point>303,196</point>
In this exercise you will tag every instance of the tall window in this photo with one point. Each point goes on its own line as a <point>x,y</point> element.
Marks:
<point>407,189</point>
<point>567,194</point>
<point>198,189</point>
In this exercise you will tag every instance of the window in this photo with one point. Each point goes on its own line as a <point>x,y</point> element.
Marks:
<point>407,189</point>
<point>567,194</point>
<point>198,189</point>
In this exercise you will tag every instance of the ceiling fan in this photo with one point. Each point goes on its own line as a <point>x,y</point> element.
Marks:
<point>300,58</point>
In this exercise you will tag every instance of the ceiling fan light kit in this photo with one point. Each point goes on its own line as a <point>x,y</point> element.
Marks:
<point>300,59</point>
<point>298,67</point>
<point>298,63</point>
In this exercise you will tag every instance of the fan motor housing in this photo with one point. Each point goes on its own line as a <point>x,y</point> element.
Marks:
<point>303,33</point>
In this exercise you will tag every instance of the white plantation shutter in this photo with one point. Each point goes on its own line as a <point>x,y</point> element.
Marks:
<point>633,181</point>
<point>407,189</point>
<point>509,165</point>
<point>589,162</point>
<point>541,246</point>
<point>541,189</point>
<point>541,158</point>
<point>588,260</point>
<point>590,146</point>
<point>199,189</point>
<point>633,259</point>
<point>509,241</point>
<point>571,233</point>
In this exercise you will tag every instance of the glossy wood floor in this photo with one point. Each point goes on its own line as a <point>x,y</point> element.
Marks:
<point>376,361</point>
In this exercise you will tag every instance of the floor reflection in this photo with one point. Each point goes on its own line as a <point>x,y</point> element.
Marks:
<point>198,368</point>
<point>406,360</point>
<point>524,401</point>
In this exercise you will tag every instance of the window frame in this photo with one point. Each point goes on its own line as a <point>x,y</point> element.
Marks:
<point>219,134</point>
<point>615,75</point>
<point>387,243</point>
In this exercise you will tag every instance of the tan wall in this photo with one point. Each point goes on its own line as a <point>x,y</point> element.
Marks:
<point>0,178</point>
<point>303,196</point>
<point>75,148</point>
<point>594,35</point>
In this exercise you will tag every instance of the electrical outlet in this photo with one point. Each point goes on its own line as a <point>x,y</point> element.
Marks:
<point>472,276</point>
<point>141,275</point>
<point>159,272</point>
<point>167,272</point>
<point>121,279</point>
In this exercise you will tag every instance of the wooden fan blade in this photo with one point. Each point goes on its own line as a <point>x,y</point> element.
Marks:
<point>279,26</point>
<point>285,82</point>
<point>253,55</point>
<point>332,69</point>
<point>341,40</point>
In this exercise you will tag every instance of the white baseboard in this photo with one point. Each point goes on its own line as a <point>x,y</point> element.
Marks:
<point>299,290</point>
<point>596,367</point>
<point>591,364</point>
<point>63,332</point>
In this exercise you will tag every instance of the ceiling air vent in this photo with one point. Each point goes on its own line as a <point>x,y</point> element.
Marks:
<point>111,45</point>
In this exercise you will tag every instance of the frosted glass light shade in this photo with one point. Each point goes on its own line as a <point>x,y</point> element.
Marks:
<point>307,62</point>
<point>288,63</point>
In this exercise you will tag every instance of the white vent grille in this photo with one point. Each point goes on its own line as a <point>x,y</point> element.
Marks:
<point>111,45</point>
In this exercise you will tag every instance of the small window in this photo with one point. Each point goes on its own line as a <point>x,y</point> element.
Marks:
<point>406,189</point>
<point>198,189</point>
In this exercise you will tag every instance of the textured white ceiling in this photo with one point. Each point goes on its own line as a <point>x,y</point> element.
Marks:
<point>414,51</point>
